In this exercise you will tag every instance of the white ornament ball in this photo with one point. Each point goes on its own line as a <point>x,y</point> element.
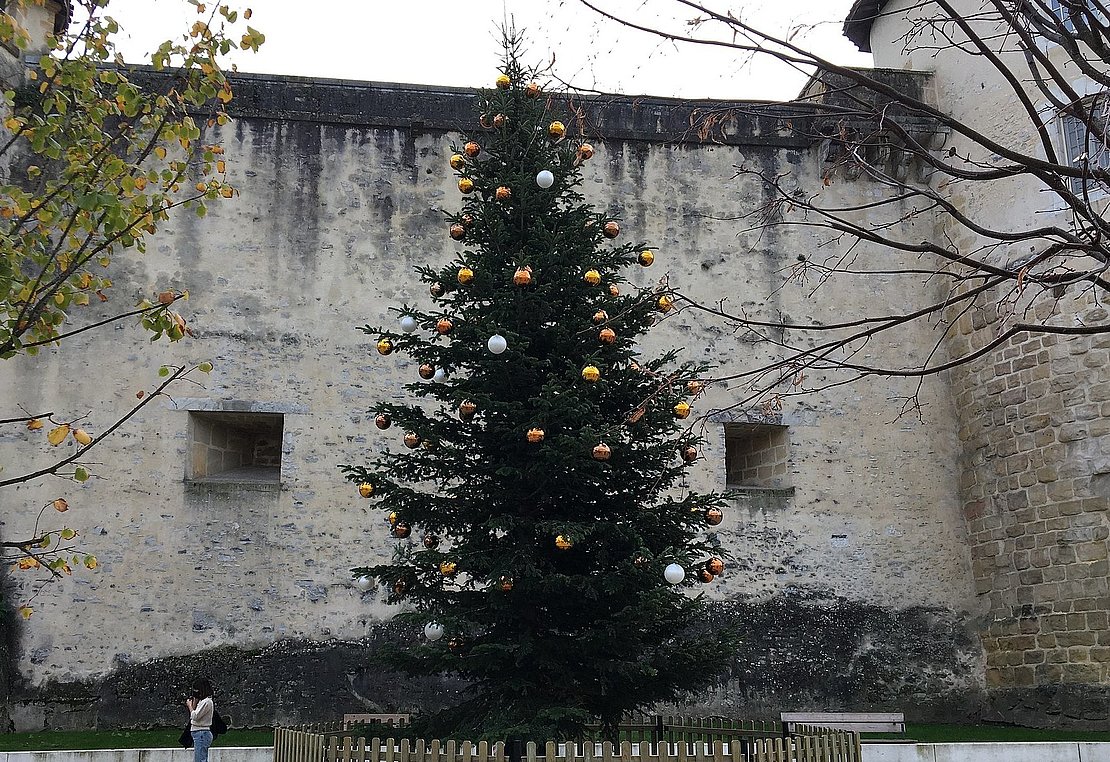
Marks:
<point>364,583</point>
<point>408,324</point>
<point>440,376</point>
<point>674,573</point>
<point>545,179</point>
<point>433,631</point>
<point>497,344</point>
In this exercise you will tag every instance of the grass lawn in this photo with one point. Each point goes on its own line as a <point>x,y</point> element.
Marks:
<point>123,739</point>
<point>972,733</point>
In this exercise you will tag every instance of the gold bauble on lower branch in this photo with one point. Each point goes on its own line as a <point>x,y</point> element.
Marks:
<point>444,326</point>
<point>465,275</point>
<point>430,541</point>
<point>532,90</point>
<point>646,258</point>
<point>467,409</point>
<point>591,374</point>
<point>705,575</point>
<point>602,451</point>
<point>535,435</point>
<point>385,346</point>
<point>458,232</point>
<point>715,565</point>
<point>664,303</point>
<point>562,542</point>
<point>503,193</point>
<point>412,440</point>
<point>499,120</point>
<point>556,130</point>
<point>607,336</point>
<point>458,161</point>
<point>611,229</point>
<point>366,489</point>
<point>522,276</point>
<point>585,151</point>
<point>426,371</point>
<point>505,583</point>
<point>682,410</point>
<point>466,185</point>
<point>401,530</point>
<point>447,568</point>
<point>383,421</point>
<point>503,82</point>
<point>600,317</point>
<point>391,519</point>
<point>714,516</point>
<point>689,453</point>
<point>472,149</point>
<point>593,277</point>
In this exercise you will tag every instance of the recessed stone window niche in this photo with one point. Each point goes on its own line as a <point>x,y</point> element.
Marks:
<point>757,455</point>
<point>234,447</point>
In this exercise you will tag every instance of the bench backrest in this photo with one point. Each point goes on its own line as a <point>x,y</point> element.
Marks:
<point>861,722</point>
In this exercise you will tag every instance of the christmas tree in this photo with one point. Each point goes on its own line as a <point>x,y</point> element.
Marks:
<point>545,535</point>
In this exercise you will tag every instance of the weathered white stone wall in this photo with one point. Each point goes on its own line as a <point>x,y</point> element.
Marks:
<point>324,237</point>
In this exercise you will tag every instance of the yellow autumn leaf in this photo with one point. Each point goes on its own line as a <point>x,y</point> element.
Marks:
<point>221,166</point>
<point>67,534</point>
<point>26,611</point>
<point>34,424</point>
<point>61,505</point>
<point>91,562</point>
<point>58,434</point>
<point>27,563</point>
<point>160,152</point>
<point>82,437</point>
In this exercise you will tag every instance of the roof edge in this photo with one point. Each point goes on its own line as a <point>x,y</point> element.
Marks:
<point>857,25</point>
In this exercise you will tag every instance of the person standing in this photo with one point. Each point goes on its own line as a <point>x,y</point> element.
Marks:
<point>201,710</point>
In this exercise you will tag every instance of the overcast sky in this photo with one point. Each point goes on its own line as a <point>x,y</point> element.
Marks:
<point>441,42</point>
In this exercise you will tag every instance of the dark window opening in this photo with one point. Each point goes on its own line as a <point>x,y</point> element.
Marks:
<point>234,447</point>
<point>757,455</point>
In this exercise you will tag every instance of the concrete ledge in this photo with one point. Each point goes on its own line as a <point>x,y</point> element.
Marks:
<point>1063,751</point>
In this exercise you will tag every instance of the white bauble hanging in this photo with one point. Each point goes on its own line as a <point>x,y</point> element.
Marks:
<point>497,344</point>
<point>674,573</point>
<point>545,179</point>
<point>440,376</point>
<point>364,583</point>
<point>433,631</point>
<point>408,324</point>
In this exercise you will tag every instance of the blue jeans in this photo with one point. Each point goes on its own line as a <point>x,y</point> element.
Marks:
<point>202,739</point>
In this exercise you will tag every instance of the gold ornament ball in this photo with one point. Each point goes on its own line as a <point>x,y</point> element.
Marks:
<point>426,371</point>
<point>503,82</point>
<point>705,575</point>
<point>437,289</point>
<point>682,410</point>
<point>522,276</point>
<point>472,149</point>
<point>611,229</point>
<point>467,409</point>
<point>458,232</point>
<point>430,541</point>
<point>600,317</point>
<point>556,129</point>
<point>664,303</point>
<point>602,452</point>
<point>689,453</point>
<point>715,566</point>
<point>586,151</point>
<point>503,193</point>
<point>366,489</point>
<point>412,440</point>
<point>399,588</point>
<point>695,387</point>
<point>535,436</point>
<point>383,421</point>
<point>458,161</point>
<point>499,120</point>
<point>505,583</point>
<point>444,326</point>
<point>401,530</point>
<point>447,568</point>
<point>591,373</point>
<point>484,121</point>
<point>593,277</point>
<point>532,90</point>
<point>391,519</point>
<point>646,258</point>
<point>465,275</point>
<point>385,346</point>
<point>614,291</point>
<point>562,542</point>
<point>607,336</point>
<point>714,516</point>
<point>466,184</point>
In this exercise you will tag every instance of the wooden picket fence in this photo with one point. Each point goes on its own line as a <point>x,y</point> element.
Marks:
<point>641,740</point>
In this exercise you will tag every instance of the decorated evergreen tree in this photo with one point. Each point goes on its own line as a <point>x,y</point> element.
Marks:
<point>545,535</point>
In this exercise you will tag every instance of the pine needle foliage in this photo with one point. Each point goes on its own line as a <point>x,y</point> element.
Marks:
<point>543,563</point>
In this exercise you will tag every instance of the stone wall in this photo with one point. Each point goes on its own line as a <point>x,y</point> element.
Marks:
<point>342,192</point>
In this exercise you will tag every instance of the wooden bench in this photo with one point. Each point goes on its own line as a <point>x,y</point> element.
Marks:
<point>393,720</point>
<point>860,722</point>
